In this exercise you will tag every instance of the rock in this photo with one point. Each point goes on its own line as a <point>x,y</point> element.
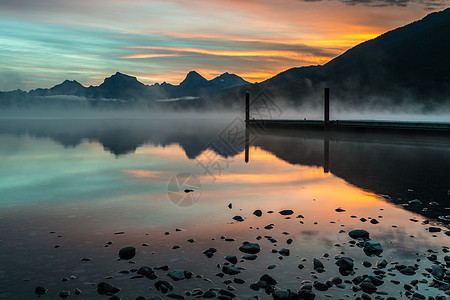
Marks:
<point>372,248</point>
<point>374,221</point>
<point>105,288</point>
<point>64,294</point>
<point>289,241</point>
<point>209,294</point>
<point>382,264</point>
<point>143,270</point>
<point>250,256</point>
<point>270,226</point>
<point>257,213</point>
<point>163,286</point>
<point>368,287</point>
<point>358,234</point>
<point>230,270</point>
<point>238,218</point>
<point>230,206</point>
<point>40,290</point>
<point>268,279</point>
<point>434,229</point>
<point>127,253</point>
<point>284,252</point>
<point>415,202</point>
<point>300,266</point>
<point>407,271</point>
<point>367,264</point>
<point>306,294</point>
<point>191,241</point>
<point>210,252</point>
<point>176,275</point>
<point>286,212</point>
<point>281,295</point>
<point>345,263</point>
<point>318,264</point>
<point>77,291</point>
<point>271,267</point>
<point>339,209</point>
<point>250,248</point>
<point>320,286</point>
<point>232,259</point>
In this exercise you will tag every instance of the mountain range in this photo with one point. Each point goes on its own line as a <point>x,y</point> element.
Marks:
<point>408,66</point>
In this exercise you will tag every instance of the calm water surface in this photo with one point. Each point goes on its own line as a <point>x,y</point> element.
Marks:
<point>67,186</point>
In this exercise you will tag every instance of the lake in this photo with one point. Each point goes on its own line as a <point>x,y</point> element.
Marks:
<point>73,193</point>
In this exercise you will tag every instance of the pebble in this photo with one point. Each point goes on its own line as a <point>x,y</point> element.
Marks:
<point>105,288</point>
<point>232,259</point>
<point>250,248</point>
<point>230,270</point>
<point>176,275</point>
<point>127,253</point>
<point>359,234</point>
<point>286,212</point>
<point>257,213</point>
<point>40,290</point>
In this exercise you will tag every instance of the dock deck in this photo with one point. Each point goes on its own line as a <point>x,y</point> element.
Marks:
<point>355,125</point>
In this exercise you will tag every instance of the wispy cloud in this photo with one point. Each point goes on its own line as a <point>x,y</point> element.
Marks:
<point>44,42</point>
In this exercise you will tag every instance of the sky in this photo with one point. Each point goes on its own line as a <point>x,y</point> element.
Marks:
<point>44,42</point>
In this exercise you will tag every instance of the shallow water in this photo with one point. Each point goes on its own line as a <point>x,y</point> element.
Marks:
<point>67,186</point>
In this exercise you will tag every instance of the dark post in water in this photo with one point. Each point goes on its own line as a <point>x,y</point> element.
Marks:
<point>247,107</point>
<point>327,106</point>
<point>247,145</point>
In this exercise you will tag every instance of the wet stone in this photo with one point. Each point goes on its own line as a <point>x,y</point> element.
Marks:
<point>105,288</point>
<point>230,270</point>
<point>40,290</point>
<point>286,212</point>
<point>176,275</point>
<point>320,286</point>
<point>284,252</point>
<point>257,213</point>
<point>127,253</point>
<point>250,248</point>
<point>250,257</point>
<point>238,219</point>
<point>372,248</point>
<point>232,259</point>
<point>359,234</point>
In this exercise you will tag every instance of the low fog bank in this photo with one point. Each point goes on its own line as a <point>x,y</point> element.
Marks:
<point>262,106</point>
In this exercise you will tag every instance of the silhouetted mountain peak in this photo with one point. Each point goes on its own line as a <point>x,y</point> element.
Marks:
<point>193,80</point>
<point>227,80</point>
<point>122,80</point>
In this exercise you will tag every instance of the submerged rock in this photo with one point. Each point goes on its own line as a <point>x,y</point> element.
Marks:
<point>359,234</point>
<point>40,290</point>
<point>257,213</point>
<point>176,275</point>
<point>250,248</point>
<point>230,270</point>
<point>105,288</point>
<point>372,248</point>
<point>232,259</point>
<point>127,253</point>
<point>286,212</point>
<point>345,263</point>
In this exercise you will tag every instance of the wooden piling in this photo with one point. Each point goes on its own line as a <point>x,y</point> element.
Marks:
<point>247,107</point>
<point>326,106</point>
<point>247,145</point>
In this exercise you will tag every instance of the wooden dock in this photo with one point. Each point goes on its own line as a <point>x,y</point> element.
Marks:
<point>354,125</point>
<point>347,125</point>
